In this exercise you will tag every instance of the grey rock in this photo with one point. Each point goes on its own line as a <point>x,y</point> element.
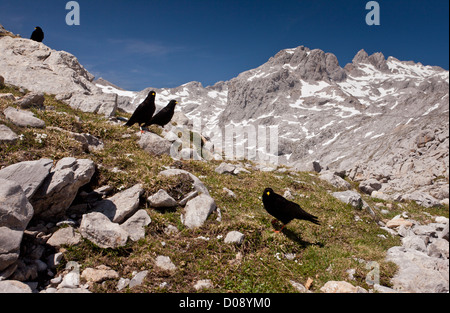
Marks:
<point>38,68</point>
<point>122,205</point>
<point>154,144</point>
<point>234,237</point>
<point>29,175</point>
<point>14,286</point>
<point>99,274</point>
<point>439,248</point>
<point>161,199</point>
<point>32,99</point>
<point>135,225</point>
<point>422,199</point>
<point>164,263</point>
<point>203,284</point>
<point>138,279</point>
<point>66,236</point>
<point>335,180</point>
<point>99,229</point>
<point>349,197</point>
<point>225,168</point>
<point>198,185</point>
<point>59,189</point>
<point>198,210</point>
<point>23,118</point>
<point>123,283</point>
<point>444,233</point>
<point>15,214</point>
<point>418,273</point>
<point>369,186</point>
<point>414,243</point>
<point>7,135</point>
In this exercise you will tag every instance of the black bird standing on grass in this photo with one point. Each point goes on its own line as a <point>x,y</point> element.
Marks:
<point>144,112</point>
<point>37,35</point>
<point>284,210</point>
<point>163,117</point>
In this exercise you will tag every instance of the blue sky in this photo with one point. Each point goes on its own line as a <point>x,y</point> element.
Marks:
<point>166,43</point>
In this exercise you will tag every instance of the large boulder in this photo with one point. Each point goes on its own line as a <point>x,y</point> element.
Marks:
<point>23,118</point>
<point>60,188</point>
<point>29,175</point>
<point>36,67</point>
<point>154,144</point>
<point>15,214</point>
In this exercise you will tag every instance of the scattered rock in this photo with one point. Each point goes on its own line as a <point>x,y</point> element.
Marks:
<point>197,211</point>
<point>99,229</point>
<point>99,274</point>
<point>123,282</point>
<point>198,185</point>
<point>60,187</point>
<point>15,214</point>
<point>335,180</point>
<point>7,135</point>
<point>138,279</point>
<point>369,186</point>
<point>234,237</point>
<point>341,287</point>
<point>14,286</point>
<point>397,222</point>
<point>203,284</point>
<point>154,144</point>
<point>120,206</point>
<point>135,225</point>
<point>29,175</point>
<point>225,168</point>
<point>299,287</point>
<point>66,236</point>
<point>164,263</point>
<point>162,199</point>
<point>32,99</point>
<point>349,197</point>
<point>23,118</point>
<point>229,193</point>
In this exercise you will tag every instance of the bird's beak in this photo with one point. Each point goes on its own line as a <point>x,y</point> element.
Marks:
<point>268,193</point>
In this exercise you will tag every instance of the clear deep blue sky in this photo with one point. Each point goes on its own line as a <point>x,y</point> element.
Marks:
<point>165,43</point>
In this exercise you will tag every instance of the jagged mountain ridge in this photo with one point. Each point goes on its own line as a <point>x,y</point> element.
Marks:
<point>366,118</point>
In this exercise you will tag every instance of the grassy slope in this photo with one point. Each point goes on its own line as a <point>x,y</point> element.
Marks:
<point>322,253</point>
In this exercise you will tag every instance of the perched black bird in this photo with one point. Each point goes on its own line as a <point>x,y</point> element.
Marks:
<point>144,112</point>
<point>37,35</point>
<point>164,116</point>
<point>284,210</point>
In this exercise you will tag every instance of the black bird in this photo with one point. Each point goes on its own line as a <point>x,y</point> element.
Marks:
<point>163,117</point>
<point>37,35</point>
<point>144,112</point>
<point>284,210</point>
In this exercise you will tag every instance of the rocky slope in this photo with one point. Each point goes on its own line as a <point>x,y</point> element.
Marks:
<point>376,118</point>
<point>80,191</point>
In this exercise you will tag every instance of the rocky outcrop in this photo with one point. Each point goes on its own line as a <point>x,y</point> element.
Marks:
<point>36,67</point>
<point>423,258</point>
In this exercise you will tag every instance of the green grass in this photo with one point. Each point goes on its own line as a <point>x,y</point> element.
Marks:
<point>321,253</point>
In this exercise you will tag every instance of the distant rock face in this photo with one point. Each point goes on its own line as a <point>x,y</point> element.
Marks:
<point>36,67</point>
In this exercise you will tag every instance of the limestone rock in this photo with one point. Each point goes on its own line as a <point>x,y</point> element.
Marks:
<point>7,135</point>
<point>341,287</point>
<point>120,206</point>
<point>29,174</point>
<point>135,225</point>
<point>99,229</point>
<point>164,263</point>
<point>349,197</point>
<point>23,118</point>
<point>161,199</point>
<point>198,185</point>
<point>234,237</point>
<point>64,237</point>
<point>154,144</point>
<point>15,214</point>
<point>197,211</point>
<point>59,189</point>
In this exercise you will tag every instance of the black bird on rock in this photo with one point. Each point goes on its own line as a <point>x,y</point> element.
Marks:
<point>144,112</point>
<point>284,210</point>
<point>37,35</point>
<point>163,117</point>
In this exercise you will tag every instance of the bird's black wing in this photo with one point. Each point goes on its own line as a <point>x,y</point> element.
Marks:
<point>291,210</point>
